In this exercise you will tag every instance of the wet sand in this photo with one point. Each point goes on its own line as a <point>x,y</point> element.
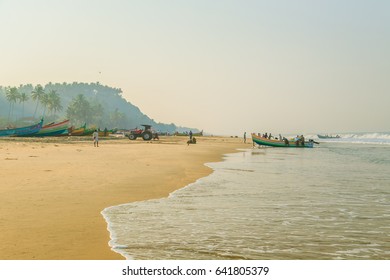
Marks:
<point>52,190</point>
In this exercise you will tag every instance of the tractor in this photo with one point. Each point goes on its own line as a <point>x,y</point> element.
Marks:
<point>145,133</point>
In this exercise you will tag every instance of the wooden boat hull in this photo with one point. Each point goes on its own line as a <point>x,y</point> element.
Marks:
<point>277,143</point>
<point>77,131</point>
<point>103,133</point>
<point>22,131</point>
<point>54,129</point>
<point>88,131</point>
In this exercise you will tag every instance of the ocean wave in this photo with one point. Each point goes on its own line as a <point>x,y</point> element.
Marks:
<point>359,138</point>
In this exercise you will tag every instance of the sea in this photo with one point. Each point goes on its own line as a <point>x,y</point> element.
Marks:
<point>331,202</point>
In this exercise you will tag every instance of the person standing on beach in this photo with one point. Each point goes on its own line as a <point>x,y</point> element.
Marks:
<point>95,136</point>
<point>190,135</point>
<point>245,137</point>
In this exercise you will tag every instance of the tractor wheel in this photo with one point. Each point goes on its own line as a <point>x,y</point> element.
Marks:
<point>147,135</point>
<point>132,137</point>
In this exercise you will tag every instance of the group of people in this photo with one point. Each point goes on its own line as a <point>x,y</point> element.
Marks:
<point>298,140</point>
<point>270,136</point>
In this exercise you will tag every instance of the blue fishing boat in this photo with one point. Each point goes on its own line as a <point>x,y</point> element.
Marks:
<point>20,131</point>
<point>51,129</point>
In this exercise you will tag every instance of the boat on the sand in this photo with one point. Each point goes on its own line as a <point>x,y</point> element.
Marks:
<point>54,129</point>
<point>21,131</point>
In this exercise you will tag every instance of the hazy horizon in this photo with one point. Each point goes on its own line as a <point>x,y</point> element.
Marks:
<point>222,66</point>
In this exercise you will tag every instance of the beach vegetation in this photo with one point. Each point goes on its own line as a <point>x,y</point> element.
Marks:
<point>37,95</point>
<point>12,94</point>
<point>53,102</point>
<point>22,99</point>
<point>95,104</point>
<point>79,110</point>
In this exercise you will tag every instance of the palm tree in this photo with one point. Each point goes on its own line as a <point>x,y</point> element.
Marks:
<point>37,95</point>
<point>44,100</point>
<point>97,112</point>
<point>79,110</point>
<point>116,117</point>
<point>12,94</point>
<point>54,101</point>
<point>23,98</point>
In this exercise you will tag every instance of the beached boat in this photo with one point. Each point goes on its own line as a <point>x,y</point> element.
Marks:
<point>53,129</point>
<point>262,141</point>
<point>21,131</point>
<point>105,132</point>
<point>89,131</point>
<point>77,131</point>
<point>328,136</point>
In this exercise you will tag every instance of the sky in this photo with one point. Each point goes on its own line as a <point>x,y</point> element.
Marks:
<point>224,66</point>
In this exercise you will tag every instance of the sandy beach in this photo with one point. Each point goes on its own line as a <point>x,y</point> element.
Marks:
<point>53,190</point>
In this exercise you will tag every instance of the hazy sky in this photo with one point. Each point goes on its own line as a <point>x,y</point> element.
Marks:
<point>222,66</point>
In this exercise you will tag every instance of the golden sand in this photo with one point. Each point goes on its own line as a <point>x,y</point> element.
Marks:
<point>52,191</point>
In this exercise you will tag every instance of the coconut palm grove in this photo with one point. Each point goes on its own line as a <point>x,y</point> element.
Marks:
<point>93,104</point>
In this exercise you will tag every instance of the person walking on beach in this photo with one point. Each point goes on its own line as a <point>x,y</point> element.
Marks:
<point>95,136</point>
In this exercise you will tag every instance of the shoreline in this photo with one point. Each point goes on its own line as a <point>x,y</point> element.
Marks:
<point>164,197</point>
<point>55,189</point>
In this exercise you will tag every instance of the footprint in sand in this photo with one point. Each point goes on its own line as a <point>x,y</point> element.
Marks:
<point>11,158</point>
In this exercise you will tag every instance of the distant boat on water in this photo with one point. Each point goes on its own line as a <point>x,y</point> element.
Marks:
<point>262,141</point>
<point>21,131</point>
<point>328,136</point>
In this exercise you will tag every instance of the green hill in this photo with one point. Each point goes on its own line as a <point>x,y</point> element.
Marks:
<point>95,104</point>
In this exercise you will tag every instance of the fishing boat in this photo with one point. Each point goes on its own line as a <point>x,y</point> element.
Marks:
<point>328,136</point>
<point>21,131</point>
<point>262,141</point>
<point>105,132</point>
<point>89,131</point>
<point>77,131</point>
<point>53,129</point>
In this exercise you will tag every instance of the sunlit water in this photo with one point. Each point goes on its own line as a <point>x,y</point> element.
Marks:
<point>329,202</point>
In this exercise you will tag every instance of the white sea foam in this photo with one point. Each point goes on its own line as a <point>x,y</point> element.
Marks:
<point>325,203</point>
<point>382,138</point>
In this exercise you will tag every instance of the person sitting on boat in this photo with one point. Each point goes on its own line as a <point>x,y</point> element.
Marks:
<point>297,140</point>
<point>286,141</point>
<point>265,135</point>
<point>302,140</point>
<point>270,136</point>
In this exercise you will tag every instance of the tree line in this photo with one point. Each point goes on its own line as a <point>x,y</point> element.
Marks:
<point>49,100</point>
<point>79,111</point>
<point>91,103</point>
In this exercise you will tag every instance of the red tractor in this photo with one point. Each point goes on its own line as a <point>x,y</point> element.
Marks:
<point>145,133</point>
